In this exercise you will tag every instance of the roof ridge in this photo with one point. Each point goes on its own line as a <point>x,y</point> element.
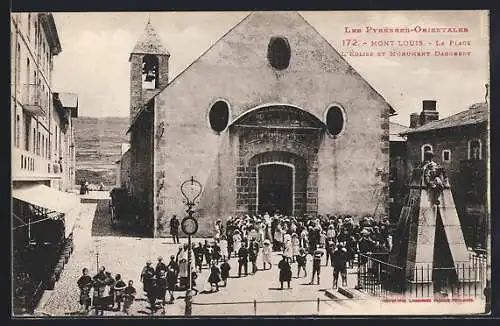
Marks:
<point>429,125</point>
<point>391,108</point>
<point>150,42</point>
<point>399,124</point>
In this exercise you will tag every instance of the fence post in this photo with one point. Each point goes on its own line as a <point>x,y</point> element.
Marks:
<point>317,306</point>
<point>255,307</point>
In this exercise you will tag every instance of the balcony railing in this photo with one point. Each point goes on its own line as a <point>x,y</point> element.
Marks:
<point>35,99</point>
<point>28,165</point>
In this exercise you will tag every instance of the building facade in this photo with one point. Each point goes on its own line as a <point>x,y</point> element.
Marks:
<point>398,177</point>
<point>270,118</point>
<point>461,145</point>
<point>42,157</point>
<point>123,167</point>
<point>42,131</point>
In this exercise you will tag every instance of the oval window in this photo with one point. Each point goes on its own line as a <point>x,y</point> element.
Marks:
<point>219,116</point>
<point>279,53</point>
<point>335,120</point>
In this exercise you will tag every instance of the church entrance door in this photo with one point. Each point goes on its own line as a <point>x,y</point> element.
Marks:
<point>275,188</point>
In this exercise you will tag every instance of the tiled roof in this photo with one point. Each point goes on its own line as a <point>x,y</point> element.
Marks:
<point>395,129</point>
<point>476,113</point>
<point>69,100</point>
<point>150,42</point>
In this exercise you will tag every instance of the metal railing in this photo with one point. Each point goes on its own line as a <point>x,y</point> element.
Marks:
<point>34,96</point>
<point>253,306</point>
<point>380,278</point>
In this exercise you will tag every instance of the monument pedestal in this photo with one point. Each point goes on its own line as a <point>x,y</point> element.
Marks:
<point>430,245</point>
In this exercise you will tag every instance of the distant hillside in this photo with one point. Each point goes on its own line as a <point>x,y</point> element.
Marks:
<point>98,145</point>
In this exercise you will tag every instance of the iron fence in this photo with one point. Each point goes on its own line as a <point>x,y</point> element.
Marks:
<point>380,278</point>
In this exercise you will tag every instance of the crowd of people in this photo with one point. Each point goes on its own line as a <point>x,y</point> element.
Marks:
<point>103,292</point>
<point>252,242</point>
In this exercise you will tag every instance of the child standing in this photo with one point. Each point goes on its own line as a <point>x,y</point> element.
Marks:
<point>224,248</point>
<point>118,288</point>
<point>266,253</point>
<point>224,271</point>
<point>216,252</point>
<point>301,262</point>
<point>214,277</point>
<point>236,242</point>
<point>295,246</point>
<point>128,296</point>
<point>287,244</point>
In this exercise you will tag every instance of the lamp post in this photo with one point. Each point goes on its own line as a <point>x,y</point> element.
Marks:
<point>191,190</point>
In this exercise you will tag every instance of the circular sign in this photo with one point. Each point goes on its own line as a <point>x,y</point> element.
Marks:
<point>189,225</point>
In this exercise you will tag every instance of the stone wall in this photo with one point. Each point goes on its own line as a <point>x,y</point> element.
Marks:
<point>236,69</point>
<point>458,169</point>
<point>141,168</point>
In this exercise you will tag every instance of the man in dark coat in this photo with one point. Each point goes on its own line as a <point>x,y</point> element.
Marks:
<point>174,228</point>
<point>285,271</point>
<point>316,264</point>
<point>207,252</point>
<point>117,291</point>
<point>160,266</point>
<point>173,264</point>
<point>198,256</point>
<point>253,252</point>
<point>161,288</point>
<point>243,259</point>
<point>339,263</point>
<point>171,281</point>
<point>128,296</point>
<point>147,277</point>
<point>85,284</point>
<point>99,282</point>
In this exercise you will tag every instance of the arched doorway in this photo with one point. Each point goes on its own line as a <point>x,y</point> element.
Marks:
<point>275,188</point>
<point>277,160</point>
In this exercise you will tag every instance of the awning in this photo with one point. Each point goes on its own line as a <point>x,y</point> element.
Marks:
<point>52,199</point>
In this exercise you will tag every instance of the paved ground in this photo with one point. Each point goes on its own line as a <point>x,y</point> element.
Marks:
<point>121,253</point>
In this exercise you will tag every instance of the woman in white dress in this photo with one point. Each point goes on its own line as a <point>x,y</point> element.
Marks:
<point>236,242</point>
<point>304,238</point>
<point>266,254</point>
<point>295,246</point>
<point>262,234</point>
<point>217,229</point>
<point>278,237</point>
<point>287,244</point>
<point>223,248</point>
<point>244,232</point>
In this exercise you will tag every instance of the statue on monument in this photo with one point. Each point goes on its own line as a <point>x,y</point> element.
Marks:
<point>435,179</point>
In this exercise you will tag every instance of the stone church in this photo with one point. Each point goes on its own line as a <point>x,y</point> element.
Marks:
<point>270,118</point>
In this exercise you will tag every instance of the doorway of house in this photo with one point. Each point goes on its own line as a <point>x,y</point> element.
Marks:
<point>275,189</point>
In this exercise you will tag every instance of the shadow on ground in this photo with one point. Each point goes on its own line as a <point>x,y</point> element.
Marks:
<point>102,225</point>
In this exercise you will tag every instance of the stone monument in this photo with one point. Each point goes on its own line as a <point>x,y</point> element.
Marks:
<point>429,244</point>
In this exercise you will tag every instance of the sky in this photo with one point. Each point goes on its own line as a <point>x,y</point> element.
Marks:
<point>96,47</point>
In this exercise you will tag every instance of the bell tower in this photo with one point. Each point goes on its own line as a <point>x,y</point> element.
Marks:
<point>148,69</point>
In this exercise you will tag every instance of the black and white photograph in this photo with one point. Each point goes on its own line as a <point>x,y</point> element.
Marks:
<point>258,163</point>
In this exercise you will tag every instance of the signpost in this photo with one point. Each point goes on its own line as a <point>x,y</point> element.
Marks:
<point>191,190</point>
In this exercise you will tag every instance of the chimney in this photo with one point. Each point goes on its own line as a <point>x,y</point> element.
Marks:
<point>414,120</point>
<point>429,112</point>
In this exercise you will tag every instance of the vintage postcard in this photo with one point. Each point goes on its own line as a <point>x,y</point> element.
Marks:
<point>311,163</point>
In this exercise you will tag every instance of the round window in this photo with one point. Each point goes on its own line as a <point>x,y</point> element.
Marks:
<point>279,53</point>
<point>335,120</point>
<point>219,116</point>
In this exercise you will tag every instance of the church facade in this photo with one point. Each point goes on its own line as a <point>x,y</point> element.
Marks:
<point>270,118</point>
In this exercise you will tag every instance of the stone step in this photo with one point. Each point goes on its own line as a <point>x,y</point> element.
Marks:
<point>357,294</point>
<point>343,300</point>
